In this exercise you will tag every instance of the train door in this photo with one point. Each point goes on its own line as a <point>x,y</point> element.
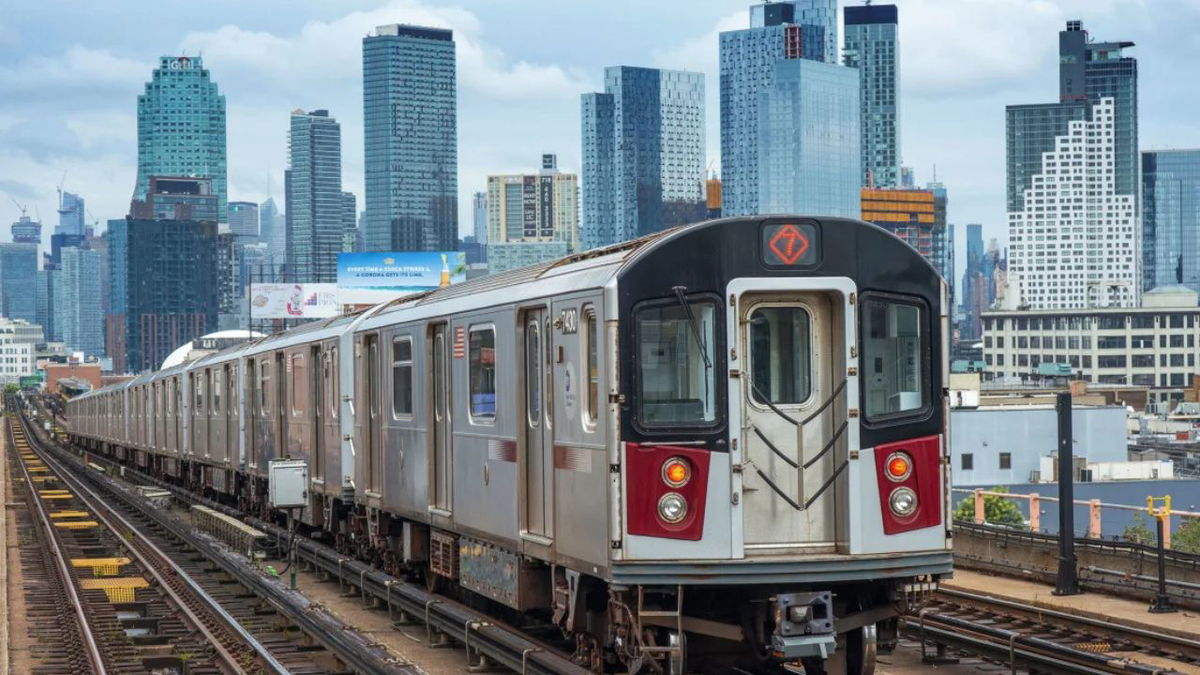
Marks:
<point>317,391</point>
<point>791,408</point>
<point>537,458</point>
<point>372,437</point>
<point>441,468</point>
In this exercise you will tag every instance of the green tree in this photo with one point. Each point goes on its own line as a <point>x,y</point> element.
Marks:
<point>997,510</point>
<point>1139,532</point>
<point>1187,537</point>
<point>12,388</point>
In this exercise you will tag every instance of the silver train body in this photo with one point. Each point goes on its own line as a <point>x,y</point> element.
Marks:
<point>677,449</point>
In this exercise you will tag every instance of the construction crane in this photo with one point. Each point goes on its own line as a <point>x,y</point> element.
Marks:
<point>20,206</point>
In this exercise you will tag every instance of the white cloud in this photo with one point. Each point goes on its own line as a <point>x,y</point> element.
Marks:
<point>79,69</point>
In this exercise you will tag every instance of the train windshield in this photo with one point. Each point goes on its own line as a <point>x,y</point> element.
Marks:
<point>894,356</point>
<point>676,376</point>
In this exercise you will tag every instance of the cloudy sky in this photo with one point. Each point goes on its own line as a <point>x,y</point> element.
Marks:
<point>70,72</point>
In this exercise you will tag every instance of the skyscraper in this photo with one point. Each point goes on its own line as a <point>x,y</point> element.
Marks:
<point>1095,259</point>
<point>532,217</point>
<point>163,288</point>
<point>27,231</point>
<point>314,196</point>
<point>181,127</point>
<point>243,219</point>
<point>818,18</point>
<point>71,212</point>
<point>411,134</point>
<point>80,314</point>
<point>479,204</point>
<point>272,230</point>
<point>873,47</point>
<point>974,289</point>
<point>748,59</point>
<point>18,281</point>
<point>349,222</point>
<point>1171,218</point>
<point>643,154</point>
<point>808,159</point>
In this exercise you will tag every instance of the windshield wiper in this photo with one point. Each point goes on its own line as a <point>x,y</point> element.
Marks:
<point>691,317</point>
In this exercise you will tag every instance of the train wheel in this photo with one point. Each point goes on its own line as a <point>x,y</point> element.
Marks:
<point>860,651</point>
<point>433,580</point>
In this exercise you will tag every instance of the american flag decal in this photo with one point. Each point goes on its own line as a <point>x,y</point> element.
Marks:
<point>460,342</point>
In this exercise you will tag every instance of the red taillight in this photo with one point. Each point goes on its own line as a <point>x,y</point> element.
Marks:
<point>908,474</point>
<point>665,491</point>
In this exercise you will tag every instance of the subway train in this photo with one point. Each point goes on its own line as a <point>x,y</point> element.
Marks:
<point>719,446</point>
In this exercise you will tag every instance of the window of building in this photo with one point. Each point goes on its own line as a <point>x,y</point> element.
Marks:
<point>1006,460</point>
<point>1143,360</point>
<point>1176,341</point>
<point>1176,360</point>
<point>1111,342</point>
<point>1087,361</point>
<point>968,461</point>
<point>1176,321</point>
<point>676,383</point>
<point>780,355</point>
<point>402,377</point>
<point>1112,361</point>
<point>482,374</point>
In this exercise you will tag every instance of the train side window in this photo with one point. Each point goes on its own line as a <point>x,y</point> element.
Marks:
<point>299,385</point>
<point>482,374</point>
<point>676,382</point>
<point>402,384</point>
<point>199,386</point>
<point>218,385</point>
<point>780,355</point>
<point>895,361</point>
<point>591,348</point>
<point>264,383</point>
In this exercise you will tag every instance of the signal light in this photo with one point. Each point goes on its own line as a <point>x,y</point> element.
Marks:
<point>898,466</point>
<point>676,472</point>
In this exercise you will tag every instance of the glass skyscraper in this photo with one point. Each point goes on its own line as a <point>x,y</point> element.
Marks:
<point>79,312</point>
<point>643,154</point>
<point>71,211</point>
<point>181,127</point>
<point>411,133</point>
<point>1171,218</point>
<point>1031,131</point>
<point>18,281</point>
<point>873,47</point>
<point>314,202</point>
<point>808,159</point>
<point>243,219</point>
<point>748,58</point>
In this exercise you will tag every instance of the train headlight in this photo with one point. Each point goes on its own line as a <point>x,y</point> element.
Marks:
<point>676,472</point>
<point>672,507</point>
<point>898,466</point>
<point>903,502</point>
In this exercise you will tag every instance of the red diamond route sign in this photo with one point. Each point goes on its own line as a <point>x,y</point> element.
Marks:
<point>788,244</point>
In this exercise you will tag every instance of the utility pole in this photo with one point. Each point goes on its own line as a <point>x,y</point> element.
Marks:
<point>1067,582</point>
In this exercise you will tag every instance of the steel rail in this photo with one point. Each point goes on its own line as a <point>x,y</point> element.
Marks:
<point>357,652</point>
<point>1116,629</point>
<point>112,520</point>
<point>95,657</point>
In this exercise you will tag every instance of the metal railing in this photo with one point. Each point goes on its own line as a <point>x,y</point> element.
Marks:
<point>1095,511</point>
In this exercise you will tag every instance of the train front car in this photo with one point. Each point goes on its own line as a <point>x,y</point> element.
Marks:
<point>781,475</point>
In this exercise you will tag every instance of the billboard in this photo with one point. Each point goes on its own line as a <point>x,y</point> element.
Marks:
<point>294,301</point>
<point>370,278</point>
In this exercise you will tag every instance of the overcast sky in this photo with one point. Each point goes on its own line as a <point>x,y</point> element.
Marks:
<point>71,70</point>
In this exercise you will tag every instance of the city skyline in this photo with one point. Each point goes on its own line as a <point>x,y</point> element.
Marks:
<point>498,66</point>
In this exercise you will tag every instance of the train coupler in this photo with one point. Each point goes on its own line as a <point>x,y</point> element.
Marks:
<point>803,626</point>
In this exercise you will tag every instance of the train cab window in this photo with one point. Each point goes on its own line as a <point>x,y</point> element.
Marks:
<point>591,348</point>
<point>780,355</point>
<point>402,384</point>
<point>299,385</point>
<point>895,364</point>
<point>482,361</point>
<point>677,364</point>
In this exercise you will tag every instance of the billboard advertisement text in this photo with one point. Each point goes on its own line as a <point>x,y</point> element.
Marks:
<point>370,278</point>
<point>294,301</point>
